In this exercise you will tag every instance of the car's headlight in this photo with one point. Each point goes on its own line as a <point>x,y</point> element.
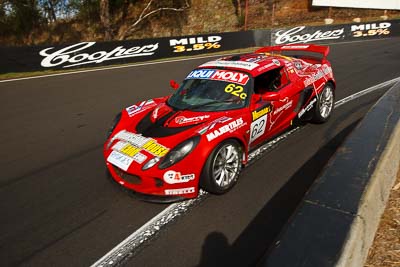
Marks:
<point>179,152</point>
<point>114,124</point>
<point>150,163</point>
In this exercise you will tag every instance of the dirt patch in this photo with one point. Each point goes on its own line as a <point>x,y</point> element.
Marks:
<point>385,251</point>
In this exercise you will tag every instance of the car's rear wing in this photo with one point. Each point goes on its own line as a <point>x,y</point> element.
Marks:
<point>320,49</point>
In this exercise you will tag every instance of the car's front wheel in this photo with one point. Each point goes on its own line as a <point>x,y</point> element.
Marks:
<point>222,168</point>
<point>325,103</point>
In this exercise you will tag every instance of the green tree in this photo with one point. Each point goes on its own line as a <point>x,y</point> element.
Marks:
<point>86,10</point>
<point>23,15</point>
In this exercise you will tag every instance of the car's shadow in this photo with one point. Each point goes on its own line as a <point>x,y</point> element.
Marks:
<point>252,244</point>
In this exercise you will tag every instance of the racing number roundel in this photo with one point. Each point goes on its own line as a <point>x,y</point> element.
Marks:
<point>257,127</point>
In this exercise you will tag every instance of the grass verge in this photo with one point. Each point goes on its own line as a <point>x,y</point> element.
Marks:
<point>385,251</point>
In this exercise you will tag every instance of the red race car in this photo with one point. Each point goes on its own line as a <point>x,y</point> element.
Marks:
<point>201,136</point>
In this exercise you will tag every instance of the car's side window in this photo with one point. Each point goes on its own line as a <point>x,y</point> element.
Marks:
<point>271,81</point>
<point>284,78</point>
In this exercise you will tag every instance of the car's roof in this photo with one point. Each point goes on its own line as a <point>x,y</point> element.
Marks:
<point>253,63</point>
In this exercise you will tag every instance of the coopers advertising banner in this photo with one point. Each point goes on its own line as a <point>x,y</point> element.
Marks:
<point>373,30</point>
<point>373,4</point>
<point>336,33</point>
<point>308,34</point>
<point>92,54</point>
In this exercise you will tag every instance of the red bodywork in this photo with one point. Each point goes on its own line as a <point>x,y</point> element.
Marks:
<point>265,116</point>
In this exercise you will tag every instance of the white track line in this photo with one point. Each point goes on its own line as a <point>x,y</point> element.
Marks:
<point>114,67</point>
<point>147,231</point>
<point>366,91</point>
<point>127,247</point>
<point>151,63</point>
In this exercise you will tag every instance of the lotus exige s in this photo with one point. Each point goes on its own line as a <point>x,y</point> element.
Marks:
<point>202,135</point>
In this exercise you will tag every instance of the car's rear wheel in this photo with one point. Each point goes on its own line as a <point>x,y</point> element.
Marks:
<point>222,168</point>
<point>325,104</point>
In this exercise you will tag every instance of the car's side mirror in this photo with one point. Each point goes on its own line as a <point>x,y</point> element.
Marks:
<point>174,85</point>
<point>271,96</point>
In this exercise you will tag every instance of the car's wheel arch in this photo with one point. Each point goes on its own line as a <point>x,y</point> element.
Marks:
<point>242,151</point>
<point>317,116</point>
<point>333,83</point>
<point>242,146</point>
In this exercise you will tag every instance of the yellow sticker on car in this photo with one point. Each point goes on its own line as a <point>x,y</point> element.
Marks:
<point>130,150</point>
<point>154,148</point>
<point>258,113</point>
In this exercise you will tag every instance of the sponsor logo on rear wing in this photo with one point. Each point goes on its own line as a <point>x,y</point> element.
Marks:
<point>320,49</point>
<point>231,64</point>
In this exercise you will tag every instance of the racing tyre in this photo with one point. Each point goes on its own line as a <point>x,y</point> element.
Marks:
<point>221,171</point>
<point>325,104</point>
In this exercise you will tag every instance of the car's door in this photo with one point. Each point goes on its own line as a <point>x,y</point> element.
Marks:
<point>260,111</point>
<point>282,109</point>
<point>272,105</point>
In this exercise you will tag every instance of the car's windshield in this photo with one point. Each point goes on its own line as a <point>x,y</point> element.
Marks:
<point>212,90</point>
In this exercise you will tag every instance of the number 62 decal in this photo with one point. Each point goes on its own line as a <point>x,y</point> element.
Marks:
<point>236,90</point>
<point>257,127</point>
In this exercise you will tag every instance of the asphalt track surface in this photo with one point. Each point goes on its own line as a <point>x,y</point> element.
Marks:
<point>57,207</point>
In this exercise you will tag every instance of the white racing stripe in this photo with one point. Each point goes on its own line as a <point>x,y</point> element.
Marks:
<point>151,63</point>
<point>366,91</point>
<point>127,248</point>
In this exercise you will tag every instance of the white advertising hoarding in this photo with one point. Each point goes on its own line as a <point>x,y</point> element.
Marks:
<point>372,4</point>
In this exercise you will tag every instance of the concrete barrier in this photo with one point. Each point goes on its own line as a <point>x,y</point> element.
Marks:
<point>336,222</point>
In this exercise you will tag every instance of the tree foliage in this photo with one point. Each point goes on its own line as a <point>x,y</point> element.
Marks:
<point>112,19</point>
<point>20,16</point>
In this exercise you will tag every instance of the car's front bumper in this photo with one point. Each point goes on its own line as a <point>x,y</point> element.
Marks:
<point>153,189</point>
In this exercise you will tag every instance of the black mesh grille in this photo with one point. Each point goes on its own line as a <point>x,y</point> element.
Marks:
<point>159,182</point>
<point>129,178</point>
